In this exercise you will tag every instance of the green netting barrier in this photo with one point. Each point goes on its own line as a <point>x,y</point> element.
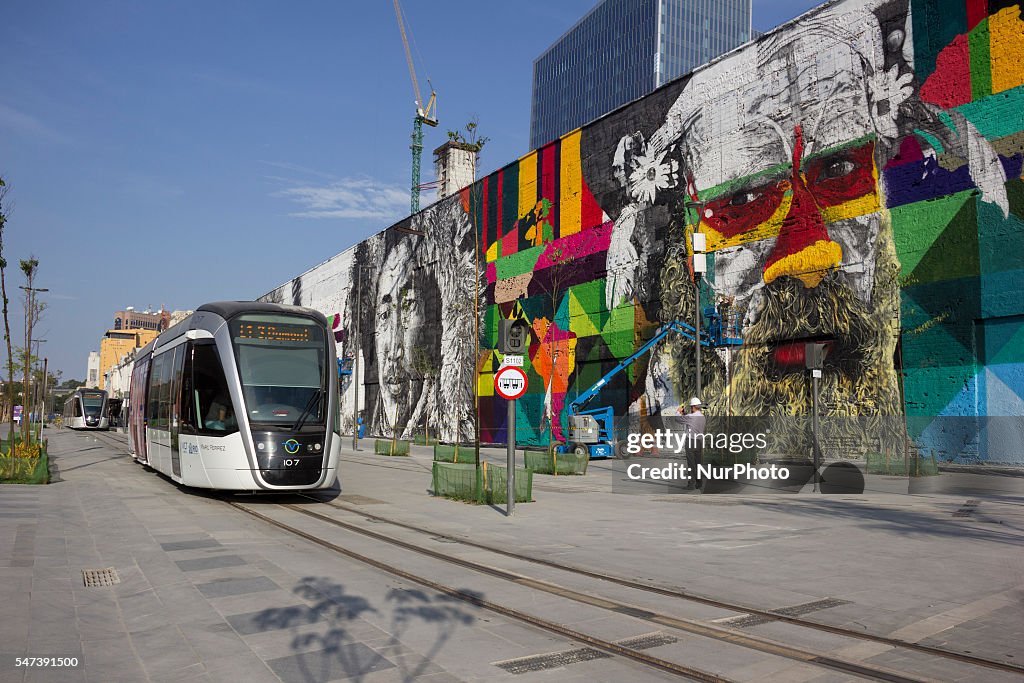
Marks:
<point>422,440</point>
<point>895,466</point>
<point>721,458</point>
<point>924,467</point>
<point>389,447</point>
<point>886,464</point>
<point>556,463</point>
<point>444,453</point>
<point>479,485</point>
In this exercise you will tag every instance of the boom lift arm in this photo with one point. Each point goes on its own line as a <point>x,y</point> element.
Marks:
<point>591,430</point>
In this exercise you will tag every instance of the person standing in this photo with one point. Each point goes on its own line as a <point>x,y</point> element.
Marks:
<point>694,424</point>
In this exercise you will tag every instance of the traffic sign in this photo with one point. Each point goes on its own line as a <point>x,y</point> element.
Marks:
<point>510,382</point>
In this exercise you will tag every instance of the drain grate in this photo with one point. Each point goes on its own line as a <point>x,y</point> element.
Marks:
<point>794,611</point>
<point>648,641</point>
<point>94,578</point>
<point>967,509</point>
<point>356,499</point>
<point>554,660</point>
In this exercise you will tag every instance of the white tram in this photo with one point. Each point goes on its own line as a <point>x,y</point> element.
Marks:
<point>87,409</point>
<point>239,396</point>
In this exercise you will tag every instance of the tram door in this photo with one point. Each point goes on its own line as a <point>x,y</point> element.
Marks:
<point>162,410</point>
<point>137,411</point>
<point>174,407</point>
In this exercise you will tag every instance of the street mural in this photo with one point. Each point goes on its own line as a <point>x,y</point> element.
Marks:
<point>857,176</point>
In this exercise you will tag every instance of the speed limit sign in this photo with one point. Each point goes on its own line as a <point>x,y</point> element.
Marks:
<point>510,382</point>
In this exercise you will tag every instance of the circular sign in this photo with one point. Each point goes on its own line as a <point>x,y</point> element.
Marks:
<point>510,382</point>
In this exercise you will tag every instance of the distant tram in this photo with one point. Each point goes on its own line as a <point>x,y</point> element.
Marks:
<point>239,396</point>
<point>87,409</point>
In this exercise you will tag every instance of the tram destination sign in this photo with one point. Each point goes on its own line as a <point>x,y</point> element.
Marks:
<point>510,382</point>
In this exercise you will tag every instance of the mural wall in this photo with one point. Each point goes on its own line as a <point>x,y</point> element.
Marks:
<point>857,176</point>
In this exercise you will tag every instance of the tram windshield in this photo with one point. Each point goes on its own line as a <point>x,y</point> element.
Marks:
<point>282,365</point>
<point>92,404</point>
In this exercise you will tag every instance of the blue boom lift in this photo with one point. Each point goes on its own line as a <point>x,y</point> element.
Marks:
<point>591,431</point>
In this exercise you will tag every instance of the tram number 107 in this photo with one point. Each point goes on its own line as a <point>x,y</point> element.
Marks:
<point>291,462</point>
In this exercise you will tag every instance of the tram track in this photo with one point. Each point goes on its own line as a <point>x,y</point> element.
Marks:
<point>690,626</point>
<point>719,603</point>
<point>693,627</point>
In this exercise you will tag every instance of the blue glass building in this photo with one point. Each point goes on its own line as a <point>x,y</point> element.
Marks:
<point>623,49</point>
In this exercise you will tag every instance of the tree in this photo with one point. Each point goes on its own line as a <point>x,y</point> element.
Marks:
<point>563,270</point>
<point>33,311</point>
<point>7,323</point>
<point>471,142</point>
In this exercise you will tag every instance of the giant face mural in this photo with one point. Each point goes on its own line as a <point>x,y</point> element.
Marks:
<point>775,155</point>
<point>406,346</point>
<point>850,173</point>
<point>776,160</point>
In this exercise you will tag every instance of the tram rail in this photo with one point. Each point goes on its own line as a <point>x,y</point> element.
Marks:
<point>693,627</point>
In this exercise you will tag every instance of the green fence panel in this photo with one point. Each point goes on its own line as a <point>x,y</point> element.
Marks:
<point>443,453</point>
<point>496,482</point>
<point>556,463</point>
<point>389,447</point>
<point>461,482</point>
<point>469,483</point>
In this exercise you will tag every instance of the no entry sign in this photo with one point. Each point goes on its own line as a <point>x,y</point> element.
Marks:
<point>510,382</point>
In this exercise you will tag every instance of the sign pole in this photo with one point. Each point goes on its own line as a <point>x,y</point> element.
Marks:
<point>510,382</point>
<point>510,479</point>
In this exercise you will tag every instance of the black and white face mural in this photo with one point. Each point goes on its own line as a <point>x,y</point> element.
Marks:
<point>388,294</point>
<point>407,344</point>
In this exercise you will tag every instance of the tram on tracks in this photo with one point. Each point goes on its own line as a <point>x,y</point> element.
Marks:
<point>87,409</point>
<point>239,396</point>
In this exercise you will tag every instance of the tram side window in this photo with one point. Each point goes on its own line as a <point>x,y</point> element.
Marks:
<point>153,403</point>
<point>215,412</point>
<point>156,410</point>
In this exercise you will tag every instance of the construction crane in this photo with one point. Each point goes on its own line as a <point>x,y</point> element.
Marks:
<point>424,114</point>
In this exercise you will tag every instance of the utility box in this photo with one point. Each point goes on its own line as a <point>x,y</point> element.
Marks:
<point>513,336</point>
<point>814,356</point>
<point>583,429</point>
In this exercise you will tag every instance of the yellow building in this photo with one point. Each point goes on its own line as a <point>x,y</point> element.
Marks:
<point>116,343</point>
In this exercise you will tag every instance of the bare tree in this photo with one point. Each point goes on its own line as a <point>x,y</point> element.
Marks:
<point>33,311</point>
<point>7,323</point>
<point>563,269</point>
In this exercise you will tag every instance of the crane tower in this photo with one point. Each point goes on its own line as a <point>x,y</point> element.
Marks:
<point>424,114</point>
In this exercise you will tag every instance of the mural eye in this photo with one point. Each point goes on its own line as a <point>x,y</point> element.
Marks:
<point>743,198</point>
<point>837,169</point>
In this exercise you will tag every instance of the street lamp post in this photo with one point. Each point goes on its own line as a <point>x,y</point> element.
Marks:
<point>355,357</point>
<point>36,396</point>
<point>699,268</point>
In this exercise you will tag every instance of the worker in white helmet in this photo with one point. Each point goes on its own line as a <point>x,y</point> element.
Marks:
<point>693,424</point>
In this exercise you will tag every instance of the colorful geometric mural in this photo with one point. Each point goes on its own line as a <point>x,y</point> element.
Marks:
<point>857,177</point>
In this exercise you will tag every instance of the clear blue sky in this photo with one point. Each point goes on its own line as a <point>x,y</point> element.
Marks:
<point>178,153</point>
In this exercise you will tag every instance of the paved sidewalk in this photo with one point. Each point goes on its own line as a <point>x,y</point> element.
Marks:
<point>208,594</point>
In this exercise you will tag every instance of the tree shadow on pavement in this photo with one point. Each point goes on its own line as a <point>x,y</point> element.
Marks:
<point>337,649</point>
